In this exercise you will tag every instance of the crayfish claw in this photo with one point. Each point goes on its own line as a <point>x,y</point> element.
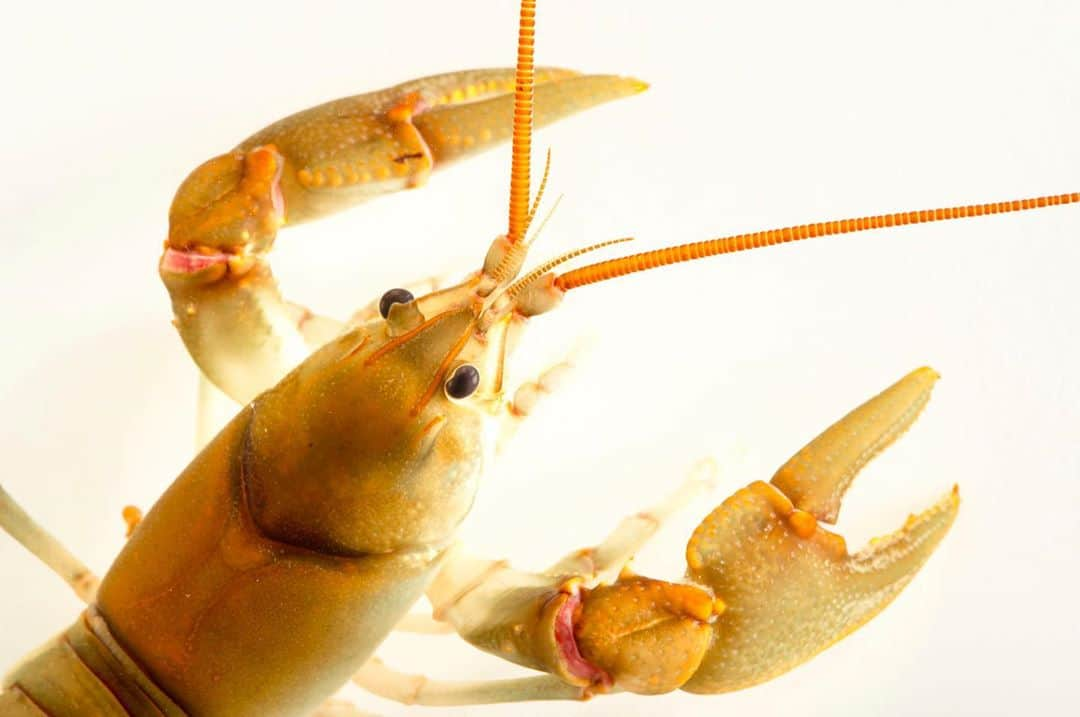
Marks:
<point>791,587</point>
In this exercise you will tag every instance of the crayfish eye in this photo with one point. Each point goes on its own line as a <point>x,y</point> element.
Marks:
<point>394,296</point>
<point>463,382</point>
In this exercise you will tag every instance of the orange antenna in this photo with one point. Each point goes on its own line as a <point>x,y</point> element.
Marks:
<point>515,257</point>
<point>523,121</point>
<point>604,270</point>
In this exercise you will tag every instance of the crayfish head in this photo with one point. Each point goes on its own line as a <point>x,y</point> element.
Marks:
<point>375,443</point>
<point>474,375</point>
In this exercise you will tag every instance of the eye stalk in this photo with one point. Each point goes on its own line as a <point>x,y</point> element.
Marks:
<point>463,382</point>
<point>394,296</point>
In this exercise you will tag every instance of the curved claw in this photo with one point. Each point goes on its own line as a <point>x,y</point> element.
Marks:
<point>224,219</point>
<point>348,151</point>
<point>341,153</point>
<point>791,587</point>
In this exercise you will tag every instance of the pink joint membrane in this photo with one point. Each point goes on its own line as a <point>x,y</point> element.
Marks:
<point>277,199</point>
<point>189,262</point>
<point>577,665</point>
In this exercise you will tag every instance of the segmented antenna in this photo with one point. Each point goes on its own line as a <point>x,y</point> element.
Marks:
<point>547,218</point>
<point>539,193</point>
<point>604,270</point>
<point>523,121</point>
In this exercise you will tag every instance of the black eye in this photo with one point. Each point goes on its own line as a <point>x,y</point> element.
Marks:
<point>463,382</point>
<point>394,296</point>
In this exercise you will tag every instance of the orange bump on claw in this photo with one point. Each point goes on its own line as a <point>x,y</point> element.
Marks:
<point>802,523</point>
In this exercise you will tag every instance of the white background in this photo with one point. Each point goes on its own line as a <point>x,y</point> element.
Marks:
<point>761,114</point>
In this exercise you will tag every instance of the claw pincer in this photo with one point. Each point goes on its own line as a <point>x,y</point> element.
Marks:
<point>791,587</point>
<point>225,217</point>
<point>768,587</point>
<point>785,587</point>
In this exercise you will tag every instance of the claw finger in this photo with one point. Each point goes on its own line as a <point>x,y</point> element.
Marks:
<point>816,478</point>
<point>344,152</point>
<point>455,88</point>
<point>454,132</point>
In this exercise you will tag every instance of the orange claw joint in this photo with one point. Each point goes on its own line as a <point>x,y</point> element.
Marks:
<point>648,635</point>
<point>791,587</point>
<point>229,203</point>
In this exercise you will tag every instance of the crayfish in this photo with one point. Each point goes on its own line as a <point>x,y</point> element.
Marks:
<point>306,528</point>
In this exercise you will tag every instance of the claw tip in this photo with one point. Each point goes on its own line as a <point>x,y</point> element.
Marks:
<point>927,372</point>
<point>637,85</point>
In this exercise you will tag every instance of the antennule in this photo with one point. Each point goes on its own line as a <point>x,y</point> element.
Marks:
<point>546,219</point>
<point>523,121</point>
<point>612,268</point>
<point>540,196</point>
